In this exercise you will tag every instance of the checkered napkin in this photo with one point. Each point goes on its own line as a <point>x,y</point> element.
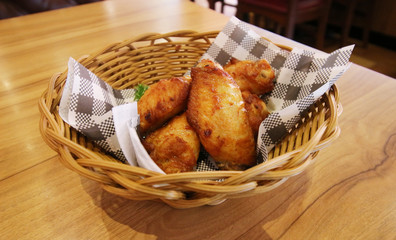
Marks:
<point>301,77</point>
<point>87,103</point>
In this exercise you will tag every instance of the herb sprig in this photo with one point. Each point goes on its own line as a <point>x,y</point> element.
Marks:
<point>140,89</point>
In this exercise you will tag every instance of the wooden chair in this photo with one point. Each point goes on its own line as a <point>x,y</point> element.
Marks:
<point>346,12</point>
<point>288,13</point>
<point>212,4</point>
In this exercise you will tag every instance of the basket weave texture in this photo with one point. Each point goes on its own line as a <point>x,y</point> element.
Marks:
<point>147,59</point>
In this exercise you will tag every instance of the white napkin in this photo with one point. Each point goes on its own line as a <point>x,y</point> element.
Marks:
<point>143,158</point>
<point>126,120</point>
<point>122,115</point>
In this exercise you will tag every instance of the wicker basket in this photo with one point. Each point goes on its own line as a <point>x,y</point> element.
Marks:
<point>146,59</point>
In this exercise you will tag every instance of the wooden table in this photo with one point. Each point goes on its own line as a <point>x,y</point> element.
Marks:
<point>348,193</point>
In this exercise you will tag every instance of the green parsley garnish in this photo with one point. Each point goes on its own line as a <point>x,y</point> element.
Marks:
<point>140,89</point>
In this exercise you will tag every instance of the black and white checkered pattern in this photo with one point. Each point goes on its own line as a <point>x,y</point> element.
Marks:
<point>205,162</point>
<point>86,106</point>
<point>238,40</point>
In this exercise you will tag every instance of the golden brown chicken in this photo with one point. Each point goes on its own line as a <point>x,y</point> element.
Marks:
<point>256,77</point>
<point>216,111</point>
<point>174,147</point>
<point>162,101</point>
<point>256,109</point>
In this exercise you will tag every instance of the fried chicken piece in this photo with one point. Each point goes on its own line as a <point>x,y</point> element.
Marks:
<point>162,101</point>
<point>216,111</point>
<point>256,109</point>
<point>255,77</point>
<point>174,147</point>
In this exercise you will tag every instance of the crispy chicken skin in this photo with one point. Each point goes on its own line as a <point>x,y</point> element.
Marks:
<point>174,147</point>
<point>162,101</point>
<point>256,109</point>
<point>216,111</point>
<point>255,77</point>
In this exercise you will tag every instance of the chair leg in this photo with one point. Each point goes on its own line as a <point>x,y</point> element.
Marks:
<point>348,21</point>
<point>321,33</point>
<point>222,6</point>
<point>367,25</point>
<point>212,4</point>
<point>278,29</point>
<point>289,31</point>
<point>291,19</point>
<point>240,13</point>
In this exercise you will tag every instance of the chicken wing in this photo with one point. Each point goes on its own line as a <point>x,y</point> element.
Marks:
<point>255,77</point>
<point>256,109</point>
<point>216,111</point>
<point>174,147</point>
<point>162,101</point>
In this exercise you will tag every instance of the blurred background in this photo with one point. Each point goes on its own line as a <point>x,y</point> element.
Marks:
<point>369,24</point>
<point>323,24</point>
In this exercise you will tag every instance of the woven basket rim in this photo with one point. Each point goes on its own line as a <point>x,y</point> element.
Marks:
<point>192,189</point>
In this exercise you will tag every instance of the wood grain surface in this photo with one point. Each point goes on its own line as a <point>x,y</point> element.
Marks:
<point>348,193</point>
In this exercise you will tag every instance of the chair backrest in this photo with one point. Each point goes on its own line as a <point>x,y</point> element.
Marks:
<point>284,6</point>
<point>288,13</point>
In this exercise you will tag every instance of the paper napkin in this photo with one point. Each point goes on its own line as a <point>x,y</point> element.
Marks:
<point>86,105</point>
